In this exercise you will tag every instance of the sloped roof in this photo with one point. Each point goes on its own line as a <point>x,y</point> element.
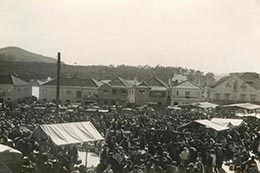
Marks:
<point>155,81</point>
<point>248,106</point>
<point>187,84</point>
<point>36,82</point>
<point>226,122</point>
<point>74,82</point>
<point>206,105</point>
<point>68,133</point>
<point>120,82</point>
<point>11,80</point>
<point>143,84</point>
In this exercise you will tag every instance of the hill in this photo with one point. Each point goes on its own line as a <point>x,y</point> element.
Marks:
<point>27,66</point>
<point>16,54</point>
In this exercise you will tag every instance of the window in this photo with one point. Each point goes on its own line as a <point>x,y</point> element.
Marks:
<point>177,93</point>
<point>105,102</point>
<point>113,91</point>
<point>78,94</point>
<point>18,89</point>
<point>68,91</point>
<point>105,91</point>
<point>142,92</point>
<point>243,97</point>
<point>187,94</point>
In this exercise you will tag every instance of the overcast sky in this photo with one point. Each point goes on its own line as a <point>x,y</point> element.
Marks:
<point>220,36</point>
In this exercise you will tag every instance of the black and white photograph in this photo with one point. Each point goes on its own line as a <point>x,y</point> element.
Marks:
<point>130,86</point>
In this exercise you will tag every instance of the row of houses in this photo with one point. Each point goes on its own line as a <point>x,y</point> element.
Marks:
<point>237,87</point>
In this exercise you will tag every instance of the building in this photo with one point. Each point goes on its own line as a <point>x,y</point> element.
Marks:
<point>12,88</point>
<point>236,88</point>
<point>185,93</point>
<point>72,90</point>
<point>36,87</point>
<point>116,92</point>
<point>151,92</point>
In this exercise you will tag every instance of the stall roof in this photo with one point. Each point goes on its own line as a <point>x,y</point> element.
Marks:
<point>212,125</point>
<point>227,122</point>
<point>4,148</point>
<point>248,106</point>
<point>68,133</point>
<point>206,105</point>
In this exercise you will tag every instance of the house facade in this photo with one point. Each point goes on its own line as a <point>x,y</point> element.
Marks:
<point>12,88</point>
<point>116,92</point>
<point>236,88</point>
<point>185,93</point>
<point>71,90</point>
<point>153,91</point>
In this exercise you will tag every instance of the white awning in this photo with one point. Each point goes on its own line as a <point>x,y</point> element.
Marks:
<point>212,125</point>
<point>248,106</point>
<point>206,105</point>
<point>227,122</point>
<point>68,133</point>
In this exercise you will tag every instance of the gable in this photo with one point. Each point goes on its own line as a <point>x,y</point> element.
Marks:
<point>117,82</point>
<point>155,82</point>
<point>187,84</point>
<point>143,84</point>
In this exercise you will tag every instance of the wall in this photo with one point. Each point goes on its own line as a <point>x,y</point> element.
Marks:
<point>234,90</point>
<point>178,96</point>
<point>67,93</point>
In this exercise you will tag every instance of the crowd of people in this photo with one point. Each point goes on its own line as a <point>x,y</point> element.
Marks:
<point>137,141</point>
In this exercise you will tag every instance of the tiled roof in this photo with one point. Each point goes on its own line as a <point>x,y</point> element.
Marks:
<point>11,80</point>
<point>75,82</point>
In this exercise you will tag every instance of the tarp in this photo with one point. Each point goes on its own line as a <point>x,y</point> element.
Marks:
<point>248,106</point>
<point>207,105</point>
<point>212,125</point>
<point>68,133</point>
<point>227,122</point>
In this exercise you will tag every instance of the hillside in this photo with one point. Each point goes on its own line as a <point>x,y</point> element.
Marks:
<point>27,66</point>
<point>16,54</point>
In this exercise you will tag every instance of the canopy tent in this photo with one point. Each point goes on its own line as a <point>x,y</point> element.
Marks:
<point>228,122</point>
<point>206,123</point>
<point>68,133</point>
<point>247,106</point>
<point>212,125</point>
<point>207,105</point>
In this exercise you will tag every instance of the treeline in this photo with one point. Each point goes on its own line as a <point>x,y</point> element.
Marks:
<point>34,70</point>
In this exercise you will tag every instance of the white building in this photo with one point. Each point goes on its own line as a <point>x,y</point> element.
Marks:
<point>12,88</point>
<point>71,90</point>
<point>236,88</point>
<point>185,93</point>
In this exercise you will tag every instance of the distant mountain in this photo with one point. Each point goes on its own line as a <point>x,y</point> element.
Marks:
<point>16,54</point>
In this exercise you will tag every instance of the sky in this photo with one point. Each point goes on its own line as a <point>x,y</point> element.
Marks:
<point>219,36</point>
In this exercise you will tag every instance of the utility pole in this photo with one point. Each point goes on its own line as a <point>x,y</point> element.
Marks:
<point>58,85</point>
